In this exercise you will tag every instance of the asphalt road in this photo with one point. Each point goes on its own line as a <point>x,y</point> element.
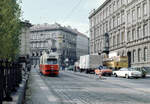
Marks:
<point>80,88</point>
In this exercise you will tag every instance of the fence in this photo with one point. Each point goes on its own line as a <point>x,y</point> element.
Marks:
<point>10,78</point>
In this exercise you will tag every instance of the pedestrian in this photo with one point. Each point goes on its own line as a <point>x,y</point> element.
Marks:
<point>63,66</point>
<point>98,73</point>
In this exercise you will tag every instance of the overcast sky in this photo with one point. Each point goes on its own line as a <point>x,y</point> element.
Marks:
<point>65,12</point>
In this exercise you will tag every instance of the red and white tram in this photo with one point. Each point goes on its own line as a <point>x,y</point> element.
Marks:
<point>49,64</point>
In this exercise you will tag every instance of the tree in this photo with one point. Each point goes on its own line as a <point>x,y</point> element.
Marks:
<point>10,28</point>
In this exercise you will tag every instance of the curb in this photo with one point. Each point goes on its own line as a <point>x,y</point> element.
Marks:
<point>22,91</point>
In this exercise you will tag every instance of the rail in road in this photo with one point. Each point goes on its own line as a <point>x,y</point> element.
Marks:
<point>80,88</point>
<point>135,84</point>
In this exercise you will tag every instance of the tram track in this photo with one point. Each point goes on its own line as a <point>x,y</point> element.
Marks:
<point>64,97</point>
<point>68,90</point>
<point>112,83</point>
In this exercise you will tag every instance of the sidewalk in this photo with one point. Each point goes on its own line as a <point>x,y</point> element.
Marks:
<point>38,92</point>
<point>18,97</point>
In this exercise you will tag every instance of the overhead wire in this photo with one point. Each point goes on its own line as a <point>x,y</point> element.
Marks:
<point>72,10</point>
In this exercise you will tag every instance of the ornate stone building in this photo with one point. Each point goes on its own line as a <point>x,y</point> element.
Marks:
<point>122,26</point>
<point>64,39</point>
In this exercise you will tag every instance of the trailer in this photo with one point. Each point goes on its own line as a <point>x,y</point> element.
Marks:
<point>88,63</point>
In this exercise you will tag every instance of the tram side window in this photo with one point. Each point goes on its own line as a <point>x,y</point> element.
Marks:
<point>52,61</point>
<point>41,60</point>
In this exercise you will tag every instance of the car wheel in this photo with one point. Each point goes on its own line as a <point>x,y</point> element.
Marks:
<point>109,74</point>
<point>143,76</point>
<point>86,71</point>
<point>116,75</point>
<point>127,76</point>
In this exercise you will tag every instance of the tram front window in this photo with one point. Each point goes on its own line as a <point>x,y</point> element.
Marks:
<point>52,61</point>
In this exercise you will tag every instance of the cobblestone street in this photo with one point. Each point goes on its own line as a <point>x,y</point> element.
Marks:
<point>81,88</point>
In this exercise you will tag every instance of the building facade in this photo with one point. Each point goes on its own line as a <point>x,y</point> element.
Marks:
<point>122,26</point>
<point>63,39</point>
<point>25,39</point>
<point>82,45</point>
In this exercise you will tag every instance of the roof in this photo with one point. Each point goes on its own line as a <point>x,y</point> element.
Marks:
<point>26,23</point>
<point>99,8</point>
<point>51,27</point>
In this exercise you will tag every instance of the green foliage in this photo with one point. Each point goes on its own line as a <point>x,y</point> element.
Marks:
<point>10,28</point>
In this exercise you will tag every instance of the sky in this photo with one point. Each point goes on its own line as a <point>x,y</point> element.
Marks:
<point>72,13</point>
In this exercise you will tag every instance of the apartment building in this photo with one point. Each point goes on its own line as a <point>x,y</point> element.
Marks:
<point>122,26</point>
<point>64,40</point>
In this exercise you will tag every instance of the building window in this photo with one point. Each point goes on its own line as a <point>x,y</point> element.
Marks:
<point>128,36</point>
<point>122,2</point>
<point>138,32</point>
<point>118,3</point>
<point>122,18</point>
<point>103,14</point>
<point>138,12</point>
<point>128,1</point>
<point>118,20</point>
<point>139,55</point>
<point>113,22</point>
<point>133,56</point>
<point>106,26</point>
<point>122,36</point>
<point>118,39</point>
<point>114,6</point>
<point>128,17</point>
<point>32,36</point>
<point>133,15</point>
<point>145,30</point>
<point>110,11</point>
<point>114,40</point>
<point>133,34</point>
<point>110,24</point>
<point>106,11</point>
<point>144,9</point>
<point>145,54</point>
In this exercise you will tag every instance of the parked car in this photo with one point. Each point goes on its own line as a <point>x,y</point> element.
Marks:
<point>147,69</point>
<point>103,70</point>
<point>142,70</point>
<point>127,73</point>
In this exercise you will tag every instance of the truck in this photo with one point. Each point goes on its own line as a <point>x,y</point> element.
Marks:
<point>89,63</point>
<point>116,62</point>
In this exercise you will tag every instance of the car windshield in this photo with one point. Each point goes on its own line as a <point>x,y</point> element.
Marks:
<point>102,67</point>
<point>147,68</point>
<point>132,69</point>
<point>124,69</point>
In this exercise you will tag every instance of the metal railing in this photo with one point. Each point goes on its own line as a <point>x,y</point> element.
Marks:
<point>10,78</point>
